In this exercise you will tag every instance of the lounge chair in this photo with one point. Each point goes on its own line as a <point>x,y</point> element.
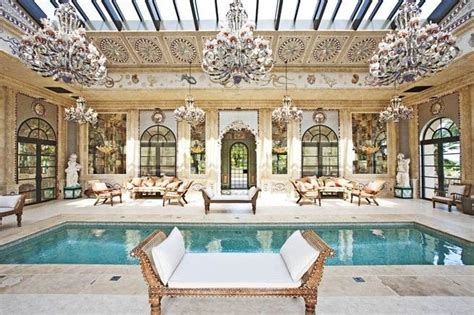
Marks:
<point>304,193</point>
<point>102,192</point>
<point>178,194</point>
<point>452,196</point>
<point>250,197</point>
<point>294,272</point>
<point>12,205</point>
<point>369,191</point>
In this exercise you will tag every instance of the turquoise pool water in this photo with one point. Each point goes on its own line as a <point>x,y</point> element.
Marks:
<point>355,244</point>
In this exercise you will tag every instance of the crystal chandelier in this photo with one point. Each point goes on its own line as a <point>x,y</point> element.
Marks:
<point>79,114</point>
<point>395,111</point>
<point>60,50</point>
<point>287,112</point>
<point>411,51</point>
<point>190,113</point>
<point>235,55</point>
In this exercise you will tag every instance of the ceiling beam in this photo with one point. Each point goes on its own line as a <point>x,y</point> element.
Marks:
<point>117,8</point>
<point>178,17</point>
<point>356,9</point>
<point>336,9</point>
<point>195,14</point>
<point>279,7</point>
<point>420,4</point>
<point>442,10</point>
<point>54,3</point>
<point>392,14</point>
<point>318,13</point>
<point>360,15</point>
<point>81,12</point>
<point>257,5</point>
<point>139,13</point>
<point>376,9</point>
<point>296,11</point>
<point>98,9</point>
<point>113,15</point>
<point>33,10</point>
<point>217,11</point>
<point>155,17</point>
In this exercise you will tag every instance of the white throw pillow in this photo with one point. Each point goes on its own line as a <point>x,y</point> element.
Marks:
<point>168,254</point>
<point>298,255</point>
<point>456,189</point>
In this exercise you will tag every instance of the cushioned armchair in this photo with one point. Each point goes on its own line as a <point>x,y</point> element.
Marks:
<point>12,205</point>
<point>178,194</point>
<point>369,191</point>
<point>102,192</point>
<point>452,196</point>
<point>306,191</point>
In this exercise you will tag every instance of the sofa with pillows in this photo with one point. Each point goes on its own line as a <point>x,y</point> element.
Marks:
<point>295,271</point>
<point>151,185</point>
<point>326,185</point>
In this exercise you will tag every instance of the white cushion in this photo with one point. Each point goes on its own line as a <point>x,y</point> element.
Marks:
<point>252,192</point>
<point>298,255</point>
<point>456,189</point>
<point>231,197</point>
<point>168,254</point>
<point>9,201</point>
<point>6,209</point>
<point>209,192</point>
<point>232,270</point>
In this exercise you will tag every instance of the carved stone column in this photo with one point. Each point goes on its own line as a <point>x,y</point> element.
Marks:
<point>61,151</point>
<point>3,140</point>
<point>346,152</point>
<point>466,109</point>
<point>10,141</point>
<point>182,150</point>
<point>213,154</point>
<point>83,147</point>
<point>294,150</point>
<point>133,143</point>
<point>413,144</point>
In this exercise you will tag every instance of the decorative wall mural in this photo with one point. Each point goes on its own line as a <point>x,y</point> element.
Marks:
<point>113,50</point>
<point>148,50</point>
<point>183,50</point>
<point>331,82</point>
<point>291,49</point>
<point>311,79</point>
<point>327,50</point>
<point>362,50</point>
<point>355,78</point>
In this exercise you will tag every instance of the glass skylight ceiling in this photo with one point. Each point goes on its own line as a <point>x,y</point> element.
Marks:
<point>209,14</point>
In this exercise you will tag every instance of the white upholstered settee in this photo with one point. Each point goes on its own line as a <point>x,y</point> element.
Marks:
<point>294,272</point>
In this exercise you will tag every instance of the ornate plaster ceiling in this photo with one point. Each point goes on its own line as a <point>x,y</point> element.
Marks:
<point>300,48</point>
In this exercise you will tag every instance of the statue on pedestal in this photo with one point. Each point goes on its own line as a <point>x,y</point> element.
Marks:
<point>72,170</point>
<point>403,169</point>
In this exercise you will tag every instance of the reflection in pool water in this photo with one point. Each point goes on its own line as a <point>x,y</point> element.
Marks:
<point>355,244</point>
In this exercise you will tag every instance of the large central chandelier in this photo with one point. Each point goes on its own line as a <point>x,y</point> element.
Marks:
<point>60,50</point>
<point>190,113</point>
<point>235,55</point>
<point>411,51</point>
<point>287,112</point>
<point>80,114</point>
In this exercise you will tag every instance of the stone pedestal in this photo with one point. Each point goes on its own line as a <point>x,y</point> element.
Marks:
<point>72,192</point>
<point>403,192</point>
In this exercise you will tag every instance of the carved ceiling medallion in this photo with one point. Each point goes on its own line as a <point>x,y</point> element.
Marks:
<point>148,50</point>
<point>362,50</point>
<point>319,117</point>
<point>113,50</point>
<point>291,49</point>
<point>158,116</point>
<point>327,50</point>
<point>183,50</point>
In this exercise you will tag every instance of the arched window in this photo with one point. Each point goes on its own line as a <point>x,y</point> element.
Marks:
<point>36,160</point>
<point>320,152</point>
<point>239,165</point>
<point>158,152</point>
<point>440,155</point>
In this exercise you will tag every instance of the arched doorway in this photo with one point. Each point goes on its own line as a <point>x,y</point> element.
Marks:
<point>440,156</point>
<point>158,152</point>
<point>238,160</point>
<point>36,162</point>
<point>320,152</point>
